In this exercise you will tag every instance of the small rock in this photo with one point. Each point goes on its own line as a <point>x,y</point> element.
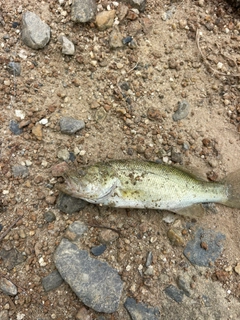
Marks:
<point>108,236</point>
<point>175,238</point>
<point>59,169</point>
<point>49,216</point>
<point>149,259</point>
<point>184,285</point>
<point>37,131</point>
<point>63,154</point>
<point>154,114</point>
<point>105,19</point>
<point>100,114</point>
<point>68,204</point>
<point>138,4</point>
<point>50,199</point>
<point>35,32</point>
<point>198,255</point>
<point>67,46</point>
<point>85,276</point>
<point>52,281</point>
<point>127,40</point>
<point>115,39</point>
<point>237,268</point>
<point>83,314</point>
<point>169,217</point>
<point>77,229</point>
<point>8,287</point>
<point>182,111</point>
<point>20,171</point>
<point>4,315</point>
<point>149,271</point>
<point>98,250</point>
<point>14,127</point>
<point>174,293</point>
<point>11,258</point>
<point>14,68</point>
<point>140,311</point>
<point>70,125</point>
<point>83,10</point>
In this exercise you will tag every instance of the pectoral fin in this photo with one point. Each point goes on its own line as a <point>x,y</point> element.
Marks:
<point>194,211</point>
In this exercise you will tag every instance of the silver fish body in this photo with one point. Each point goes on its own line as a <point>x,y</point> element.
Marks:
<point>142,184</point>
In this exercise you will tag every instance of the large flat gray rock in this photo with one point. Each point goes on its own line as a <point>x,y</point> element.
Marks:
<point>97,285</point>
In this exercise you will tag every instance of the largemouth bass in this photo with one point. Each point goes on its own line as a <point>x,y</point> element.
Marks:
<point>142,184</point>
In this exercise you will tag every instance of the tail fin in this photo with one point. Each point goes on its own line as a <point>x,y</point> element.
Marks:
<point>233,183</point>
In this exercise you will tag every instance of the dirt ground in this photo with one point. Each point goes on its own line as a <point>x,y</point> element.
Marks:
<point>186,50</point>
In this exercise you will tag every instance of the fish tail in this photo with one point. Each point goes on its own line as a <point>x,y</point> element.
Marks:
<point>232,182</point>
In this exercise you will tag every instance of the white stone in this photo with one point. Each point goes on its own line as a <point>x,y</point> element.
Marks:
<point>20,114</point>
<point>43,121</point>
<point>68,47</point>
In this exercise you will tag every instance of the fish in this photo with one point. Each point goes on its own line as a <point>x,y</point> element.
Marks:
<point>150,185</point>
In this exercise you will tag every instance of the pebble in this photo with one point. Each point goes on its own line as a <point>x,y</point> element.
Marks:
<point>84,275</point>
<point>37,131</point>
<point>98,250</point>
<point>14,68</point>
<point>140,311</point>
<point>237,268</point>
<point>174,293</point>
<point>68,204</point>
<point>169,217</point>
<point>49,216</point>
<point>59,169</point>
<point>149,259</point>
<point>108,236</point>
<point>8,287</point>
<point>175,238</point>
<point>20,171</point>
<point>127,40</point>
<point>70,125</point>
<point>115,39</point>
<point>138,4</point>
<point>52,281</point>
<point>14,127</point>
<point>68,47</point>
<point>105,19</point>
<point>184,285</point>
<point>83,314</point>
<point>63,154</point>
<point>31,24</point>
<point>4,315</point>
<point>197,255</point>
<point>149,271</point>
<point>83,10</point>
<point>182,111</point>
<point>11,258</point>
<point>77,228</point>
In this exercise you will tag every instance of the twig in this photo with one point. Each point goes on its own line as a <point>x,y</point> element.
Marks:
<point>3,235</point>
<point>208,65</point>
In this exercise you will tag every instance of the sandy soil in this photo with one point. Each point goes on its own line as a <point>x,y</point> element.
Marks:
<point>193,56</point>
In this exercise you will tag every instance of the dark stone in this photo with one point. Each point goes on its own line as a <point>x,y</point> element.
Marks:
<point>49,216</point>
<point>11,258</point>
<point>125,86</point>
<point>98,250</point>
<point>127,40</point>
<point>140,311</point>
<point>72,156</point>
<point>182,111</point>
<point>174,293</point>
<point>149,259</point>
<point>15,24</point>
<point>14,127</point>
<point>68,204</point>
<point>14,68</point>
<point>70,126</point>
<point>52,281</point>
<point>205,255</point>
<point>97,285</point>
